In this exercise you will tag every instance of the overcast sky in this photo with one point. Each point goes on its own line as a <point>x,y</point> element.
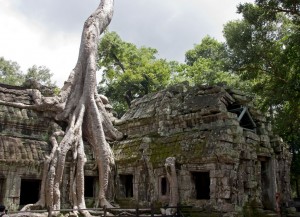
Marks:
<point>47,32</point>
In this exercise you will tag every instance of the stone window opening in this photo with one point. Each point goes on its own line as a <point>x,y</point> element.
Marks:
<point>30,191</point>
<point>2,190</point>
<point>244,117</point>
<point>201,184</point>
<point>126,185</point>
<point>164,186</point>
<point>266,187</point>
<point>89,186</point>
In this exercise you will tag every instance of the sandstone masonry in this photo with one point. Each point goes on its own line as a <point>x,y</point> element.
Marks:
<point>227,157</point>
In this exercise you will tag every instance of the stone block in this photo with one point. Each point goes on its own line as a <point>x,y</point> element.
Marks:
<point>262,131</point>
<point>241,98</point>
<point>227,207</point>
<point>216,174</point>
<point>250,184</point>
<point>231,122</point>
<point>233,175</point>
<point>225,194</point>
<point>265,141</point>
<point>251,135</point>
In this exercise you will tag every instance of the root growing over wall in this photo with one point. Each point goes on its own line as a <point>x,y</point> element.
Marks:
<point>83,109</point>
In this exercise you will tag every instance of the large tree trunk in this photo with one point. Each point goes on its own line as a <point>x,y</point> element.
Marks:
<point>83,109</point>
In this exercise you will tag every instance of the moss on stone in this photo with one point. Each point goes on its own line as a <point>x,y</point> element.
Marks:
<point>126,202</point>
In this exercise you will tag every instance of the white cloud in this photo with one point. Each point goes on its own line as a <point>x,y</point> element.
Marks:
<point>29,43</point>
<point>47,32</point>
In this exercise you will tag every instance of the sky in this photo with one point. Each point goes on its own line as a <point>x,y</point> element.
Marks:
<point>47,32</point>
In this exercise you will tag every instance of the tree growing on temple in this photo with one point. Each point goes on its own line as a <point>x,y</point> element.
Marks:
<point>80,106</point>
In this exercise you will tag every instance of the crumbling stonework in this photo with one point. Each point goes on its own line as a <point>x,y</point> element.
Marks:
<point>24,145</point>
<point>227,157</point>
<point>226,153</point>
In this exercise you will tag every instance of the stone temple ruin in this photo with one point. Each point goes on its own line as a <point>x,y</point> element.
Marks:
<point>227,158</point>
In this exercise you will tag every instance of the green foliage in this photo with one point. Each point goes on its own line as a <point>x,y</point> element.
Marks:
<point>41,74</point>
<point>10,72</point>
<point>265,50</point>
<point>129,72</point>
<point>207,63</point>
<point>209,48</point>
<point>273,7</point>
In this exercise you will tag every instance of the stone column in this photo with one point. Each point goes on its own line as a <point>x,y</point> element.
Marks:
<point>12,191</point>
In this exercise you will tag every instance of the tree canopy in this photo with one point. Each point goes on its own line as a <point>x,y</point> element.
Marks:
<point>207,63</point>
<point>11,74</point>
<point>128,71</point>
<point>265,50</point>
<point>41,74</point>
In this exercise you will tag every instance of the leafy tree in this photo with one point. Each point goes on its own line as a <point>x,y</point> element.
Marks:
<point>288,7</point>
<point>264,48</point>
<point>209,48</point>
<point>10,72</point>
<point>41,74</point>
<point>130,72</point>
<point>207,63</point>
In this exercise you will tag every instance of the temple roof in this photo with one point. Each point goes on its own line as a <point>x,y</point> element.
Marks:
<point>198,124</point>
<point>23,151</point>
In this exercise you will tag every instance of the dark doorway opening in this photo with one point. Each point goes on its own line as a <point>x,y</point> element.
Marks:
<point>126,185</point>
<point>2,190</point>
<point>30,190</point>
<point>266,184</point>
<point>163,186</point>
<point>89,186</point>
<point>202,185</point>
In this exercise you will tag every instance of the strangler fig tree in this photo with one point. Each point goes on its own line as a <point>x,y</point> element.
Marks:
<point>80,106</point>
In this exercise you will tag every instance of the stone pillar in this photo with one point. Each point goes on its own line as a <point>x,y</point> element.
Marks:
<point>12,191</point>
<point>268,185</point>
<point>273,185</point>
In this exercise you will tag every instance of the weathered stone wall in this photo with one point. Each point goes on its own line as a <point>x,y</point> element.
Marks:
<point>24,145</point>
<point>246,166</point>
<point>238,165</point>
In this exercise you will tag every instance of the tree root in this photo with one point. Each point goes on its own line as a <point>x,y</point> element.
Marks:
<point>83,109</point>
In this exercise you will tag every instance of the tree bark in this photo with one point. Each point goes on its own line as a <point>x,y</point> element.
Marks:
<point>83,109</point>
